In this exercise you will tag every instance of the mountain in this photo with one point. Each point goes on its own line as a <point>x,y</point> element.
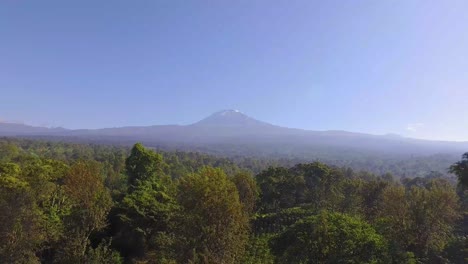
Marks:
<point>14,129</point>
<point>231,133</point>
<point>231,118</point>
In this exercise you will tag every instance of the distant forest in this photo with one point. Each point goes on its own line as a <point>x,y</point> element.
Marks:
<point>257,158</point>
<point>91,203</point>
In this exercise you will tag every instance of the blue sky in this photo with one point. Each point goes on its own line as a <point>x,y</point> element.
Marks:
<point>368,66</point>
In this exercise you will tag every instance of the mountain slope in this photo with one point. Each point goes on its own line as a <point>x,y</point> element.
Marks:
<point>230,118</point>
<point>13,129</point>
<point>231,132</point>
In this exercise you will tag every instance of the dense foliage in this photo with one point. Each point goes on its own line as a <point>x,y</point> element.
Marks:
<point>78,203</point>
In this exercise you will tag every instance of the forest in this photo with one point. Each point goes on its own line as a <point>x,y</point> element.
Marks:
<point>89,203</point>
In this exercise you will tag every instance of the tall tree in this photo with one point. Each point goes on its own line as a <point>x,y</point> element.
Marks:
<point>143,164</point>
<point>148,209</point>
<point>322,184</point>
<point>461,170</point>
<point>213,226</point>
<point>20,223</point>
<point>91,203</point>
<point>419,220</point>
<point>248,191</point>
<point>279,188</point>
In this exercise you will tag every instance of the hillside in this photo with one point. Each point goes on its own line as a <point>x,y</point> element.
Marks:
<point>231,133</point>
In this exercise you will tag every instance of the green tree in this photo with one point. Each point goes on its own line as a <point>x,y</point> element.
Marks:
<point>420,219</point>
<point>248,191</point>
<point>258,251</point>
<point>330,238</point>
<point>90,205</point>
<point>434,212</point>
<point>143,164</point>
<point>45,177</point>
<point>148,209</point>
<point>148,213</point>
<point>372,193</point>
<point>8,150</point>
<point>461,170</point>
<point>103,254</point>
<point>322,185</point>
<point>315,184</point>
<point>213,227</point>
<point>20,223</point>
<point>352,200</point>
<point>279,188</point>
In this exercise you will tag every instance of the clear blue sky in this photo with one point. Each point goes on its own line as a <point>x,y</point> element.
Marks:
<point>368,66</point>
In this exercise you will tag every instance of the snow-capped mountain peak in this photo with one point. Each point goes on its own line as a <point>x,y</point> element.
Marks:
<point>229,117</point>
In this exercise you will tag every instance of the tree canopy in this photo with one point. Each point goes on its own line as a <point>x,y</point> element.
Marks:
<point>88,203</point>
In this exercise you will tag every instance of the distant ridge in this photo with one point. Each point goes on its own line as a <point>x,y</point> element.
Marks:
<point>12,129</point>
<point>231,132</point>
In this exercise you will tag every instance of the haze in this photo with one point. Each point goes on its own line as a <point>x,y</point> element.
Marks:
<point>366,66</point>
